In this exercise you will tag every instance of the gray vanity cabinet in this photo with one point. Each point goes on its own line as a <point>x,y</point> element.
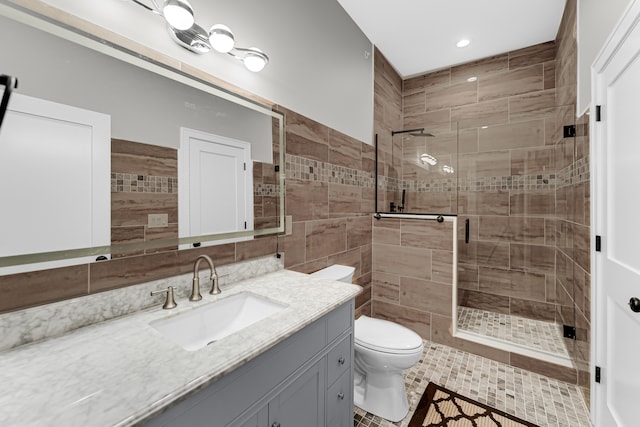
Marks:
<point>305,381</point>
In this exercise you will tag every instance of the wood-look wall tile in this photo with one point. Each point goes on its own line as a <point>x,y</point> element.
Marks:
<point>442,266</point>
<point>468,141</point>
<point>433,121</point>
<point>494,163</point>
<point>441,333</point>
<point>536,54</point>
<point>483,203</point>
<point>512,283</point>
<point>454,95</point>
<point>344,199</point>
<point>533,309</point>
<point>510,83</point>
<point>385,287</point>
<point>416,320</point>
<point>550,75</point>
<point>511,136</point>
<point>403,261</point>
<point>363,310</point>
<point>532,202</point>
<point>532,106</point>
<point>295,245</point>
<point>483,301</point>
<point>561,373</point>
<point>310,266</point>
<point>512,229</point>
<point>582,247</point>
<point>426,234</point>
<point>118,273</point>
<point>532,161</point>
<point>307,200</point>
<point>129,209</point>
<point>368,160</point>
<point>366,259</point>
<point>425,295</point>
<point>168,234</point>
<point>306,137</point>
<point>364,297</point>
<point>414,103</point>
<point>481,114</point>
<point>143,159</point>
<point>430,202</point>
<point>325,238</point>
<point>533,258</point>
<point>125,235</point>
<point>220,255</point>
<point>481,68</point>
<point>493,254</point>
<point>24,290</point>
<point>419,83</point>
<point>344,150</point>
<point>468,276</point>
<point>358,231</point>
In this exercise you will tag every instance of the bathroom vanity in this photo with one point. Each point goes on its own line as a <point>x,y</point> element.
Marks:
<point>293,368</point>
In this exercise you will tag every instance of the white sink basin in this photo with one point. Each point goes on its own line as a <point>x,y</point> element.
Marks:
<point>204,325</point>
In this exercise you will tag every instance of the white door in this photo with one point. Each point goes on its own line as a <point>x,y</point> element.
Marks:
<point>215,176</point>
<point>616,210</point>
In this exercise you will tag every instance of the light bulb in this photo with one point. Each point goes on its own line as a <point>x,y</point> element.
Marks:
<point>221,38</point>
<point>179,14</point>
<point>463,43</point>
<point>255,60</point>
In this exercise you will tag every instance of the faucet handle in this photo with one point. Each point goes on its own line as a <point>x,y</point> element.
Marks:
<point>215,288</point>
<point>170,302</point>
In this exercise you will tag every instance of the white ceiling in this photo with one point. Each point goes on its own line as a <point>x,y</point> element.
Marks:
<point>418,36</point>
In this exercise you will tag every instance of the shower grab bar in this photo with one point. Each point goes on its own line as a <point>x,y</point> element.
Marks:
<point>427,217</point>
<point>10,83</point>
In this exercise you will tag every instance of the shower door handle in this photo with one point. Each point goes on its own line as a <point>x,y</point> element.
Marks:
<point>466,230</point>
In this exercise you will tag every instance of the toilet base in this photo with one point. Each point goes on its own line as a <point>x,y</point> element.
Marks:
<point>381,394</point>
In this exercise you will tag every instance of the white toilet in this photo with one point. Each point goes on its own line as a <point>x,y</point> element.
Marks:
<point>383,350</point>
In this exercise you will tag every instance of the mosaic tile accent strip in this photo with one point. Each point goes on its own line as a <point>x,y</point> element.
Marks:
<point>527,395</point>
<point>514,182</point>
<point>132,183</point>
<point>538,334</point>
<point>266,190</point>
<point>312,170</point>
<point>576,173</point>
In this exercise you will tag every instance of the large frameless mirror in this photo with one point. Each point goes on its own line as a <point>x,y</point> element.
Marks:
<point>172,161</point>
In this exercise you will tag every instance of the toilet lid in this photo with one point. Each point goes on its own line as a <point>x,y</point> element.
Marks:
<point>388,337</point>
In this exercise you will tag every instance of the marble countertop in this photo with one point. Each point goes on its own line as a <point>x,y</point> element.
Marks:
<point>122,371</point>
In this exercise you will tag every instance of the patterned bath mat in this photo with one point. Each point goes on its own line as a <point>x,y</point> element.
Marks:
<point>440,407</point>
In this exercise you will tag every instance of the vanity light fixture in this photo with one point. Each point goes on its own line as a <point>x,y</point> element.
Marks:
<point>183,29</point>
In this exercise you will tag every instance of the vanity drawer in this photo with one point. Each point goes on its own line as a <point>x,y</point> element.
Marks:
<point>339,359</point>
<point>340,402</point>
<point>339,320</point>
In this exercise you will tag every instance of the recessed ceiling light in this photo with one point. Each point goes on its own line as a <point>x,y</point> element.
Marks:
<point>472,79</point>
<point>463,43</point>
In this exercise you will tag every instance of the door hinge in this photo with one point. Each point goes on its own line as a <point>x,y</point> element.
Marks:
<point>598,243</point>
<point>598,113</point>
<point>245,166</point>
<point>569,131</point>
<point>598,374</point>
<point>245,225</point>
<point>569,332</point>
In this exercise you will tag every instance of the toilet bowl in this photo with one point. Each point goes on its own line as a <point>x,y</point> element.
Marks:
<point>383,350</point>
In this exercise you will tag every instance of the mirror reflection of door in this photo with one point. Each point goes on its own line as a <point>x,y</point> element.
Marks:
<point>215,180</point>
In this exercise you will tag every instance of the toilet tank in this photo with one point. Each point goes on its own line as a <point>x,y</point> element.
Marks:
<point>340,273</point>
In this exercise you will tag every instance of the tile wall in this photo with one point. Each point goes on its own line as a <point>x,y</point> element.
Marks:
<point>330,197</point>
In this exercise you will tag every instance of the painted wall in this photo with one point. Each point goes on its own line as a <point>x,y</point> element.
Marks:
<point>320,62</point>
<point>596,19</point>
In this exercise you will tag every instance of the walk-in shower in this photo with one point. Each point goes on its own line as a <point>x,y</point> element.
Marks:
<point>510,188</point>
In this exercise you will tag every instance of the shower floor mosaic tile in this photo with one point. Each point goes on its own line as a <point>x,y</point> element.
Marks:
<point>541,335</point>
<point>532,397</point>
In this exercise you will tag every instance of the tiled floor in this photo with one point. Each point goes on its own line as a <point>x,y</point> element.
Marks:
<point>535,398</point>
<point>537,334</point>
